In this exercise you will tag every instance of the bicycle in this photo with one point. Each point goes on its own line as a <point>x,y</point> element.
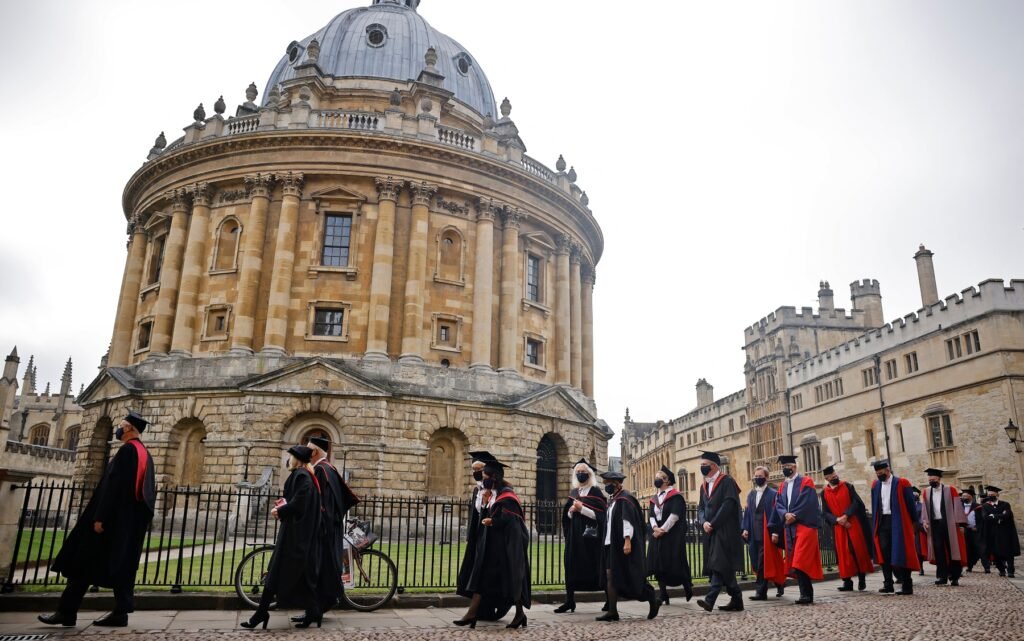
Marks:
<point>374,576</point>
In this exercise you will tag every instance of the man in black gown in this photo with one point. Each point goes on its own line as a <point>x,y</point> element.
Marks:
<point>106,543</point>
<point>718,513</point>
<point>999,533</point>
<point>623,564</point>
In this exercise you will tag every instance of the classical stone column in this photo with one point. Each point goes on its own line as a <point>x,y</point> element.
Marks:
<point>589,277</point>
<point>251,263</point>
<point>170,275</point>
<point>186,320</point>
<point>510,292</point>
<point>383,267</point>
<point>576,318</point>
<point>284,264</point>
<point>127,304</point>
<point>483,284</point>
<point>563,322</point>
<point>416,279</point>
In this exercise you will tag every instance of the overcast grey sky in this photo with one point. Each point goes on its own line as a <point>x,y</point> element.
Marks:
<point>735,153</point>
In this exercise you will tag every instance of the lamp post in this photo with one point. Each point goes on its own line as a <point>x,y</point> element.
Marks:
<point>248,447</point>
<point>1013,433</point>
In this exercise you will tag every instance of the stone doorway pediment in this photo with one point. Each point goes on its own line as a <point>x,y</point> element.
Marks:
<point>557,403</point>
<point>317,375</point>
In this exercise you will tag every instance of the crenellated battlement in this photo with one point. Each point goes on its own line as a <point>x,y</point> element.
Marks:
<point>788,316</point>
<point>989,296</point>
<point>865,286</point>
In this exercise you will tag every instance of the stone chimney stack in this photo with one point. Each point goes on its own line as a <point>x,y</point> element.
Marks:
<point>926,277</point>
<point>705,393</point>
<point>826,298</point>
<point>866,296</point>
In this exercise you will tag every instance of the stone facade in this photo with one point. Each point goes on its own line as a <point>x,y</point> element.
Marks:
<point>369,257</point>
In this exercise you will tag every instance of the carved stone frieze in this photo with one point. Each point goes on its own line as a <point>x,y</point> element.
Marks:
<point>452,207</point>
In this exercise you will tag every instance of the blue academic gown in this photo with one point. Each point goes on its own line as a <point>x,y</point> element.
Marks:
<point>904,515</point>
<point>802,551</point>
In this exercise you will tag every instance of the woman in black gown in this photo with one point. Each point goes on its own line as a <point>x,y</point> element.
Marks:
<point>501,569</point>
<point>666,553</point>
<point>582,523</point>
<point>294,566</point>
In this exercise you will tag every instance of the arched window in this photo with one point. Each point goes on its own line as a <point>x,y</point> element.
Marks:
<point>39,434</point>
<point>450,257</point>
<point>189,438</point>
<point>156,260</point>
<point>316,432</point>
<point>71,437</point>
<point>444,456</point>
<point>225,253</point>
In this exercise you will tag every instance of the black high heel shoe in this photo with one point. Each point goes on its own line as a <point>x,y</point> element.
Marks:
<point>470,622</point>
<point>517,623</point>
<point>568,606</point>
<point>310,619</point>
<point>261,616</point>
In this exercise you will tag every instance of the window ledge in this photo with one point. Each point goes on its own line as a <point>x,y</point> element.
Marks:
<point>535,367</point>
<point>214,339</point>
<point>141,350</point>
<point>446,348</point>
<point>153,287</point>
<point>350,272</point>
<point>530,304</point>
<point>218,272</point>
<point>327,339</point>
<point>456,283</point>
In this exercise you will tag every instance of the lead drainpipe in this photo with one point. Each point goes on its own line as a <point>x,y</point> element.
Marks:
<point>881,406</point>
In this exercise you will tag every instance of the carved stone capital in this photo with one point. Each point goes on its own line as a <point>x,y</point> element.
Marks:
<point>513,218</point>
<point>589,275</point>
<point>576,253</point>
<point>259,185</point>
<point>135,224</point>
<point>422,192</point>
<point>202,194</point>
<point>488,209</point>
<point>291,183</point>
<point>564,243</point>
<point>179,199</point>
<point>388,188</point>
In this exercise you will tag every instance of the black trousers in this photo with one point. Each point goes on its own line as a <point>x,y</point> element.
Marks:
<point>804,581</point>
<point>720,580</point>
<point>945,567</point>
<point>885,542</point>
<point>71,597</point>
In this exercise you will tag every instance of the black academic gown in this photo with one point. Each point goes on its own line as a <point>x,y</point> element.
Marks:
<point>998,531</point>
<point>582,555</point>
<point>337,499</point>
<point>501,569</point>
<point>666,556</point>
<point>489,610</point>
<point>295,565</point>
<point>123,502</point>
<point>723,548</point>
<point>629,572</point>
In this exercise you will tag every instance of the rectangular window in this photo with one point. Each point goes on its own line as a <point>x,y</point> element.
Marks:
<point>732,426</point>
<point>156,259</point>
<point>954,349</point>
<point>869,440</point>
<point>533,352</point>
<point>442,334</point>
<point>910,362</point>
<point>899,437</point>
<point>743,422</point>
<point>839,386</point>
<point>868,376</point>
<point>693,479</point>
<point>891,370</point>
<point>947,430</point>
<point>533,278</point>
<point>703,435</point>
<point>145,333</point>
<point>337,240</point>
<point>837,447</point>
<point>328,322</point>
<point>972,342</point>
<point>711,432</point>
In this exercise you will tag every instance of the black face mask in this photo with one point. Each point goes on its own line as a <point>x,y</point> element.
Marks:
<point>658,483</point>
<point>787,472</point>
<point>118,433</point>
<point>933,483</point>
<point>478,476</point>
<point>883,477</point>
<point>488,484</point>
<point>582,477</point>
<point>705,470</point>
<point>834,482</point>
<point>609,489</point>
<point>966,501</point>
<point>760,481</point>
<point>993,499</point>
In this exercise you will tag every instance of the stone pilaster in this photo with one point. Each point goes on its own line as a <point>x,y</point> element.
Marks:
<point>587,296</point>
<point>563,320</point>
<point>170,274</point>
<point>276,336</point>
<point>416,279</point>
<point>383,268</point>
<point>510,292</point>
<point>575,318</point>
<point>251,263</point>
<point>186,320</point>
<point>483,283</point>
<point>127,303</point>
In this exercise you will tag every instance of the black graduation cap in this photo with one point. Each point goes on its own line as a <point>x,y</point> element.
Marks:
<point>583,461</point>
<point>786,459</point>
<point>136,420</point>
<point>613,476</point>
<point>482,456</point>
<point>320,442</point>
<point>880,465</point>
<point>494,464</point>
<point>828,470</point>
<point>969,490</point>
<point>931,471</point>
<point>993,488</point>
<point>711,456</point>
<point>669,474</point>
<point>301,452</point>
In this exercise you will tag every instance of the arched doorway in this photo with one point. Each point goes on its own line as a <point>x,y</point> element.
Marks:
<point>444,463</point>
<point>547,484</point>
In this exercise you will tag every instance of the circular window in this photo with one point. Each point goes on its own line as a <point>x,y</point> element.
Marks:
<point>294,50</point>
<point>446,363</point>
<point>463,63</point>
<point>376,35</point>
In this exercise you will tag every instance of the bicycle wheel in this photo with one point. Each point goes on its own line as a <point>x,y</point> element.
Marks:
<point>376,581</point>
<point>251,575</point>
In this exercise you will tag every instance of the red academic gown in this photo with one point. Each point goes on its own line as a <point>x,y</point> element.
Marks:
<point>904,512</point>
<point>851,543</point>
<point>802,551</point>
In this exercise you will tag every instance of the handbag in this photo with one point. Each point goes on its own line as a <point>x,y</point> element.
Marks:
<point>590,532</point>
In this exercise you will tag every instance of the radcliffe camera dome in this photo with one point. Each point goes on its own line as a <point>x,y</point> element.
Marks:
<point>388,40</point>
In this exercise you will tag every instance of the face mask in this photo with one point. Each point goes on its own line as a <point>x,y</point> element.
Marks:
<point>933,483</point>
<point>488,484</point>
<point>993,499</point>
<point>705,470</point>
<point>582,477</point>
<point>883,477</point>
<point>478,476</point>
<point>609,489</point>
<point>967,501</point>
<point>834,482</point>
<point>787,471</point>
<point>760,481</point>
<point>658,483</point>
<point>118,433</point>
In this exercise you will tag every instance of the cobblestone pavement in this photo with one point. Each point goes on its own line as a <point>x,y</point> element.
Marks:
<point>983,607</point>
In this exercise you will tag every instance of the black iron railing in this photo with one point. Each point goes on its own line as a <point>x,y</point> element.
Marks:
<point>199,536</point>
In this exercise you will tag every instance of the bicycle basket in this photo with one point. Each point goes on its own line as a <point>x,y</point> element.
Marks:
<point>361,535</point>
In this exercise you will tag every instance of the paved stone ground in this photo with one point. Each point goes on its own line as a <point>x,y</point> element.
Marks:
<point>983,607</point>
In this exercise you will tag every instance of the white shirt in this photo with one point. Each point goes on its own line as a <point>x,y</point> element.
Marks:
<point>627,527</point>
<point>937,502</point>
<point>758,493</point>
<point>711,481</point>
<point>886,492</point>
<point>480,496</point>
<point>972,519</point>
<point>670,521</point>
<point>789,490</point>
<point>585,511</point>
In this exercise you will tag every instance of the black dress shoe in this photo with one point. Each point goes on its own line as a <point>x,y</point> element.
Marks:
<point>708,607</point>
<point>654,607</point>
<point>758,597</point>
<point>906,591</point>
<point>941,582</point>
<point>688,592</point>
<point>887,589</point>
<point>1010,575</point>
<point>299,618</point>
<point>610,616</point>
<point>58,619</point>
<point>804,600</point>
<point>988,571</point>
<point>780,591</point>
<point>604,608</point>
<point>565,607</point>
<point>113,620</point>
<point>734,605</point>
<point>847,586</point>
<point>954,582</point>
<point>862,584</point>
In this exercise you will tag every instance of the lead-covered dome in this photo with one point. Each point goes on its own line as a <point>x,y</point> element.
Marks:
<point>388,40</point>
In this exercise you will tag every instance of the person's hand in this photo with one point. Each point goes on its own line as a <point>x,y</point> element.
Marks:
<point>775,538</point>
<point>924,525</point>
<point>746,535</point>
<point>577,506</point>
<point>487,521</point>
<point>842,520</point>
<point>707,527</point>
<point>848,525</point>
<point>97,527</point>
<point>790,518</point>
<point>273,513</point>
<point>658,532</point>
<point>627,547</point>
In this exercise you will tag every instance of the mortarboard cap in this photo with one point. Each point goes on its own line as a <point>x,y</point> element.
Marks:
<point>482,456</point>
<point>969,490</point>
<point>669,474</point>
<point>829,470</point>
<point>583,461</point>
<point>786,459</point>
<point>931,471</point>
<point>301,452</point>
<point>711,456</point>
<point>993,488</point>
<point>613,476</point>
<point>136,420</point>
<point>320,442</point>
<point>880,465</point>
